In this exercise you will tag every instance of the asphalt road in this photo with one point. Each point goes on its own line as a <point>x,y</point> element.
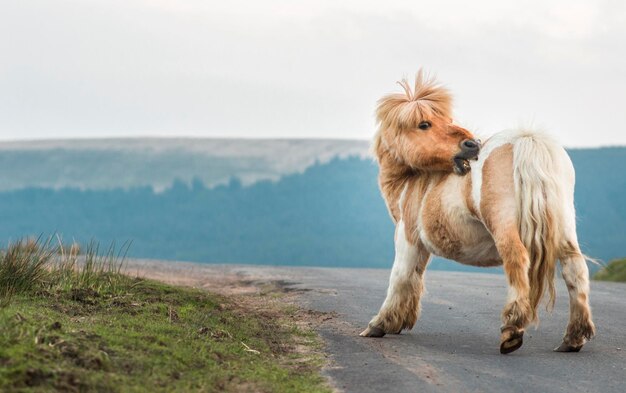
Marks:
<point>455,345</point>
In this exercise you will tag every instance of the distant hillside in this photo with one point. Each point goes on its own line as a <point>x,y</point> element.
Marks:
<point>99,164</point>
<point>329,215</point>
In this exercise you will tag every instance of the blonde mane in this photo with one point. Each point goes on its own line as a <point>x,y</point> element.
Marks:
<point>427,100</point>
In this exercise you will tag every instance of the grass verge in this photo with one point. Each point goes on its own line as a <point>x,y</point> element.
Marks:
<point>64,329</point>
<point>614,271</point>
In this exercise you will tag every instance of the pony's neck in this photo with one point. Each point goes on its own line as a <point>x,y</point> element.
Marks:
<point>392,179</point>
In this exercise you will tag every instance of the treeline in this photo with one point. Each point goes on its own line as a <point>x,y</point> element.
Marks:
<point>330,215</point>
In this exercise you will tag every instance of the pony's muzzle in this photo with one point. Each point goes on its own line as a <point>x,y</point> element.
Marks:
<point>469,149</point>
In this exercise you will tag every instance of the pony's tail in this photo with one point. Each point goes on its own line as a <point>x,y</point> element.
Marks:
<point>540,187</point>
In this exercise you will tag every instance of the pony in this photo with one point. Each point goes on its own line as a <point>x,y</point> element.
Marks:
<point>509,202</point>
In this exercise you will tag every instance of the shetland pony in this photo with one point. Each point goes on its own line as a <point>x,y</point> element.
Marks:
<point>509,202</point>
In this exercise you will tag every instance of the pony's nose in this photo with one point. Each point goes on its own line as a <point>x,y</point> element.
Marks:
<point>470,148</point>
<point>470,145</point>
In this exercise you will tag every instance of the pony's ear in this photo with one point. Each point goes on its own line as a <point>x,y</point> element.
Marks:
<point>427,99</point>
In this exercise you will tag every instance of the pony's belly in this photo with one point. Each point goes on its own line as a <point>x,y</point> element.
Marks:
<point>468,242</point>
<point>482,254</point>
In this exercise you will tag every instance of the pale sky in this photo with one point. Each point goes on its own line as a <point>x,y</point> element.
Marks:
<point>298,69</point>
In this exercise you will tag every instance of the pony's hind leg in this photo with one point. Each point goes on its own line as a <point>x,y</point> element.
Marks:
<point>517,312</point>
<point>580,327</point>
<point>401,307</point>
<point>499,207</point>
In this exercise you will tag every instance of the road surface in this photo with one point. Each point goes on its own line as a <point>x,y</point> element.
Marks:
<point>455,345</point>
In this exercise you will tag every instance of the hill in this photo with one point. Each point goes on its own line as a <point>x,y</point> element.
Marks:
<point>101,164</point>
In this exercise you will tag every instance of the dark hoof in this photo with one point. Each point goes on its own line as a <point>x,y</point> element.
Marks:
<point>372,331</point>
<point>513,342</point>
<point>567,348</point>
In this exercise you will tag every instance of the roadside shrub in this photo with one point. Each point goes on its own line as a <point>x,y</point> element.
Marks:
<point>24,267</point>
<point>614,271</point>
<point>32,266</point>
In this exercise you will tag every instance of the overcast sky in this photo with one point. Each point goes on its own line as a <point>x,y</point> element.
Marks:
<point>96,68</point>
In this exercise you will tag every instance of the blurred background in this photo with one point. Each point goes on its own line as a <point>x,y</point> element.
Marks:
<point>238,132</point>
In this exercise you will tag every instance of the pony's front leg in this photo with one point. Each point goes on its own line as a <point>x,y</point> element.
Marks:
<point>580,327</point>
<point>401,307</point>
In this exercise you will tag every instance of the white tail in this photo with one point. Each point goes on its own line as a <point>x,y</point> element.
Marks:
<point>544,182</point>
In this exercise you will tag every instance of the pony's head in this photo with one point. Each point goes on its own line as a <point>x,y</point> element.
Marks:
<point>417,132</point>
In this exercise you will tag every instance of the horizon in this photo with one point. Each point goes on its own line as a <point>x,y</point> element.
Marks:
<point>228,138</point>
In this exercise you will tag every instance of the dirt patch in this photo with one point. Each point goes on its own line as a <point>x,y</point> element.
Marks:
<point>36,377</point>
<point>84,295</point>
<point>216,278</point>
<point>68,382</point>
<point>62,381</point>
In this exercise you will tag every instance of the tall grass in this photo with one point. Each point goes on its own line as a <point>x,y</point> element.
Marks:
<point>92,270</point>
<point>33,265</point>
<point>23,266</point>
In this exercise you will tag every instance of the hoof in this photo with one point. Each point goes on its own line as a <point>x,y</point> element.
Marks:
<point>372,331</point>
<point>513,341</point>
<point>567,348</point>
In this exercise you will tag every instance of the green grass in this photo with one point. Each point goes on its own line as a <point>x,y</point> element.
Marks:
<point>614,271</point>
<point>72,323</point>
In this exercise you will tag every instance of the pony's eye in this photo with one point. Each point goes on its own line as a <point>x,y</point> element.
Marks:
<point>425,125</point>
